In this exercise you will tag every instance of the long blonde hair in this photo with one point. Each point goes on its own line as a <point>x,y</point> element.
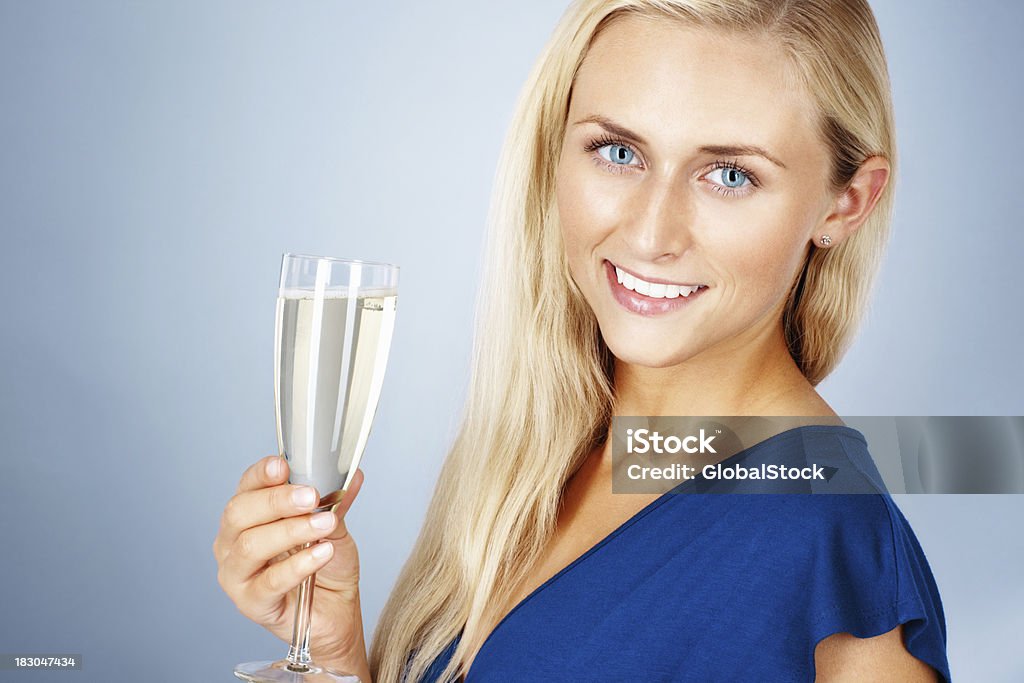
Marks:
<point>541,388</point>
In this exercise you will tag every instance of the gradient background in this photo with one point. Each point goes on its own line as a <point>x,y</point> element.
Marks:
<point>158,157</point>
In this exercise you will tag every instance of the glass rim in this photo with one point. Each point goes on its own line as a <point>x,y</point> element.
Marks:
<point>336,259</point>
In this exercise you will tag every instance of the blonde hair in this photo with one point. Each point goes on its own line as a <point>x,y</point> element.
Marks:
<point>541,393</point>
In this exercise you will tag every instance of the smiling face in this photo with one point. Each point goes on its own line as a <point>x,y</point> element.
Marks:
<point>689,158</point>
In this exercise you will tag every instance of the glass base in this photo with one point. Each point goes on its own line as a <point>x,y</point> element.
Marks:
<point>278,672</point>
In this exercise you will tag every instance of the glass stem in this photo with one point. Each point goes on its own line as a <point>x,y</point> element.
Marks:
<point>298,654</point>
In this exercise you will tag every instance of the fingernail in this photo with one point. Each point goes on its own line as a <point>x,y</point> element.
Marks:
<point>274,467</point>
<point>322,550</point>
<point>303,497</point>
<point>322,520</point>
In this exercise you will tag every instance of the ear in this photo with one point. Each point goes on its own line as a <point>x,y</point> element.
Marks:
<point>854,204</point>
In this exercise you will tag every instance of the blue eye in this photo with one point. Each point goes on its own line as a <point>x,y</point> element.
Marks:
<point>731,177</point>
<point>620,155</point>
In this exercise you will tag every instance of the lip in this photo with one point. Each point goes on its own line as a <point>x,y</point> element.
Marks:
<point>641,304</point>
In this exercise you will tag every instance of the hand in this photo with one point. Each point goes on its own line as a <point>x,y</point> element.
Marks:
<point>259,565</point>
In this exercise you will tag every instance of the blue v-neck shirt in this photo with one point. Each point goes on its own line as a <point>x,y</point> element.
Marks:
<point>706,587</point>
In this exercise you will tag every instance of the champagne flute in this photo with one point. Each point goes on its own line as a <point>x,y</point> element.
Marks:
<point>332,337</point>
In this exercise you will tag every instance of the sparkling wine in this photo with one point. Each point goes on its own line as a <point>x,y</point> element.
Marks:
<point>331,352</point>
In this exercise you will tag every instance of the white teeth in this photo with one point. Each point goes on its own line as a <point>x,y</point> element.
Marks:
<point>653,289</point>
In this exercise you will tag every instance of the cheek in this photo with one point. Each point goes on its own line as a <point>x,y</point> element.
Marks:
<point>763,260</point>
<point>587,212</point>
<point>574,221</point>
<point>759,275</point>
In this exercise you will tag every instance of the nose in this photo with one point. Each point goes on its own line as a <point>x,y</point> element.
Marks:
<point>659,227</point>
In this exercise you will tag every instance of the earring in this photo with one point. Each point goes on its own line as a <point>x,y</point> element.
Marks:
<point>825,240</point>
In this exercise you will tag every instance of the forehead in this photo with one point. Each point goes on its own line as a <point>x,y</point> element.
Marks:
<point>671,83</point>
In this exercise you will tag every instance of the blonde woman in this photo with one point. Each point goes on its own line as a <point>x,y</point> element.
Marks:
<point>692,202</point>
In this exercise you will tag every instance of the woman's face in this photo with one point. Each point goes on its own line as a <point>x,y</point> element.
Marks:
<point>689,158</point>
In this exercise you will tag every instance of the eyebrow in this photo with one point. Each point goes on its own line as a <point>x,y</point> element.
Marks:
<point>723,150</point>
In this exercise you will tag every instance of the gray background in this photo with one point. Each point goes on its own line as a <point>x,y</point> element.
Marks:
<point>157,159</point>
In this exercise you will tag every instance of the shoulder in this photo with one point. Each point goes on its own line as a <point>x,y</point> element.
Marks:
<point>848,577</point>
<point>870,594</point>
<point>854,549</point>
<point>838,546</point>
<point>835,520</point>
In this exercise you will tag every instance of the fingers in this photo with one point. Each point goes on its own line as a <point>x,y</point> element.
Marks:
<point>256,546</point>
<point>280,578</point>
<point>255,508</point>
<point>263,526</point>
<point>262,497</point>
<point>269,471</point>
<point>267,520</point>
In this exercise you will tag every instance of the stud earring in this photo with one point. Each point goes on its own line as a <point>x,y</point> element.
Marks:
<point>825,240</point>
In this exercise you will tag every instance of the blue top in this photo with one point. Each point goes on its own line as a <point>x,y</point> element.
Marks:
<point>706,587</point>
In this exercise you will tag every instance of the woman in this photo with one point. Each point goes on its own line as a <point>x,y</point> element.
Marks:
<point>691,204</point>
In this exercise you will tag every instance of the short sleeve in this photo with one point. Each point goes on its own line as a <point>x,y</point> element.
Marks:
<point>870,575</point>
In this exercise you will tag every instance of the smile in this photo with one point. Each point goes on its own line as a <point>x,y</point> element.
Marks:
<point>647,297</point>
<point>655,290</point>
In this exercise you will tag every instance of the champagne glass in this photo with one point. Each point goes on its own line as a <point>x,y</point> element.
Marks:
<point>332,337</point>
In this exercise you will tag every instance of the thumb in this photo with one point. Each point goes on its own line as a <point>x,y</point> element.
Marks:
<point>342,506</point>
<point>342,571</point>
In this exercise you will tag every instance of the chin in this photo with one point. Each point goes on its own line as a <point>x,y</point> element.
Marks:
<point>646,352</point>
